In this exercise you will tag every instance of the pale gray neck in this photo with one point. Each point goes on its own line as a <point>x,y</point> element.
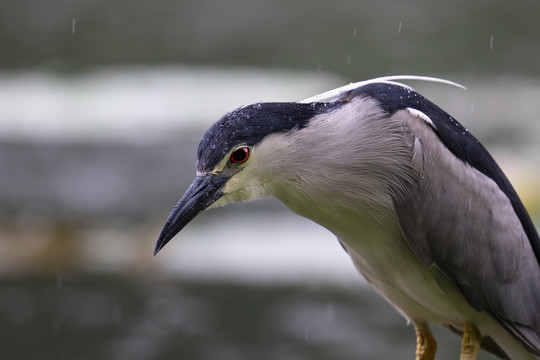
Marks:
<point>356,159</point>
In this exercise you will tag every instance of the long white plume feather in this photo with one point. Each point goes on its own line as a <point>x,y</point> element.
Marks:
<point>336,94</point>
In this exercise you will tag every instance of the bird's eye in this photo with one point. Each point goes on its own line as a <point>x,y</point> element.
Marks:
<point>240,155</point>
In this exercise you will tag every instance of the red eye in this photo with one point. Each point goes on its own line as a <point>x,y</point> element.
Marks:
<point>240,155</point>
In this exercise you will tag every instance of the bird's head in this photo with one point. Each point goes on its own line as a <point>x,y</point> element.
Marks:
<point>231,163</point>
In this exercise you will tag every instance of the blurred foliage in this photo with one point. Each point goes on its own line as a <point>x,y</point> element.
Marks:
<point>354,38</point>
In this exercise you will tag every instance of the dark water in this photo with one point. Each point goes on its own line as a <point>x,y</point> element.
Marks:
<point>86,316</point>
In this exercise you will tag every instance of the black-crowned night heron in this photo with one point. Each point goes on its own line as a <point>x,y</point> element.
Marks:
<point>423,210</point>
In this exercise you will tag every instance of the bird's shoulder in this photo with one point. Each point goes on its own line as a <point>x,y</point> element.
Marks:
<point>456,139</point>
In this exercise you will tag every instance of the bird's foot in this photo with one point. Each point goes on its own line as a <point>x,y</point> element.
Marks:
<point>426,346</point>
<point>470,343</point>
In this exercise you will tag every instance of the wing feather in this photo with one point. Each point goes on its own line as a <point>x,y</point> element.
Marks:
<point>459,219</point>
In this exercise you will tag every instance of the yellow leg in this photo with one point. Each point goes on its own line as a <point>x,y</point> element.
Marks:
<point>470,343</point>
<point>426,346</point>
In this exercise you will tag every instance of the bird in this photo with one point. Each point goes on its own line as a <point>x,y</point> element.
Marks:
<point>423,210</point>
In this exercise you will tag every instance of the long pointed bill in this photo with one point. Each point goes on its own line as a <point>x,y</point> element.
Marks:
<point>203,192</point>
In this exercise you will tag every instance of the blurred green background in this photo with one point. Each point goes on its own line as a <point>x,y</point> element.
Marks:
<point>102,104</point>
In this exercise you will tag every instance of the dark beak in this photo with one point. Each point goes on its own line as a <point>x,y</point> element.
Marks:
<point>203,192</point>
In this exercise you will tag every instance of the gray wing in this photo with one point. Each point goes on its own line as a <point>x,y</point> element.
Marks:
<point>458,218</point>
